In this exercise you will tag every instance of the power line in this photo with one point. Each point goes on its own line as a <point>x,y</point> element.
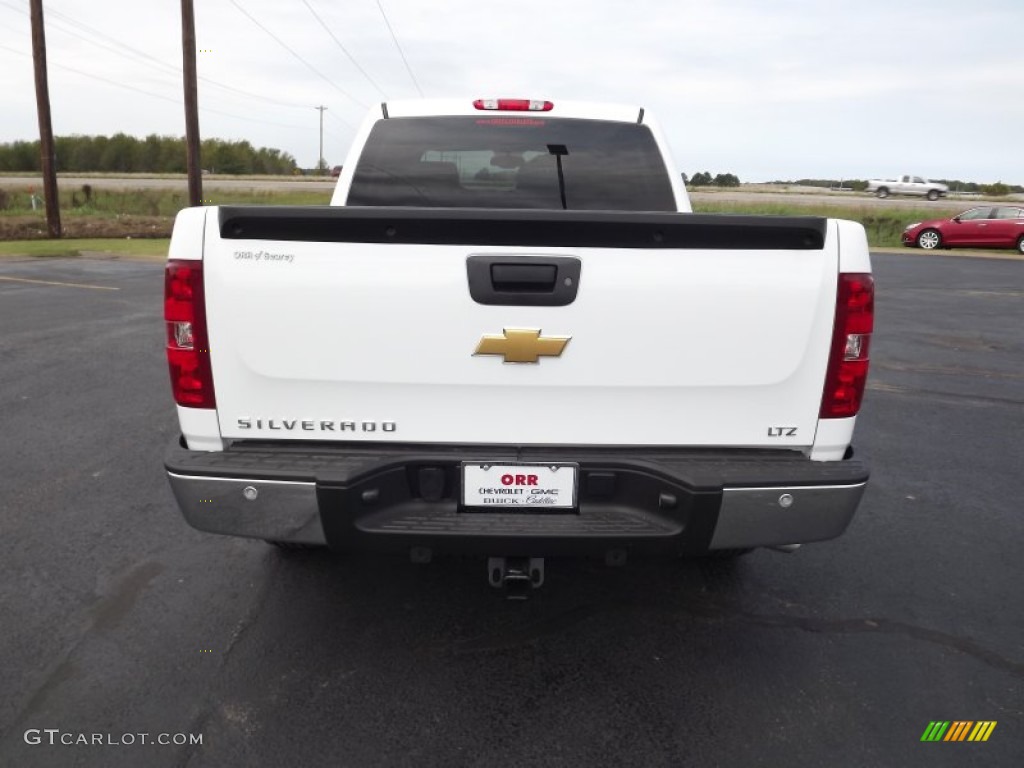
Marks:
<point>144,57</point>
<point>98,77</point>
<point>239,91</point>
<point>250,119</point>
<point>343,48</point>
<point>400,52</point>
<point>103,36</point>
<point>63,19</point>
<point>337,137</point>
<point>280,42</point>
<point>156,95</point>
<point>334,116</point>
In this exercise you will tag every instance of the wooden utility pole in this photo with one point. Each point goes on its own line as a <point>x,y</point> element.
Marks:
<point>188,51</point>
<point>320,164</point>
<point>46,153</point>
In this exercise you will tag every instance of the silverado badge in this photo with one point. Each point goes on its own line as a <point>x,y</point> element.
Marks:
<point>521,345</point>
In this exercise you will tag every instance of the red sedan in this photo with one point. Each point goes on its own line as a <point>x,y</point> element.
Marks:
<point>983,227</point>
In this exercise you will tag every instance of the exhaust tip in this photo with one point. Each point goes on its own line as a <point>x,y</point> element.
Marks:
<point>786,548</point>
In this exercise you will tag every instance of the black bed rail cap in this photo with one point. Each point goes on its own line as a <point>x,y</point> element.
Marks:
<point>517,227</point>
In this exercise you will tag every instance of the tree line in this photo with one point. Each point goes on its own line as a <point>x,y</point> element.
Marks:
<point>121,153</point>
<point>705,179</point>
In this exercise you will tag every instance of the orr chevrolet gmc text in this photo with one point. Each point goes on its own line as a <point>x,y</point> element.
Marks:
<point>508,335</point>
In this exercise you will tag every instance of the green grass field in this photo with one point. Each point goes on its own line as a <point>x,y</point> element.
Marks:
<point>155,248</point>
<point>78,207</point>
<point>883,227</point>
<point>17,201</point>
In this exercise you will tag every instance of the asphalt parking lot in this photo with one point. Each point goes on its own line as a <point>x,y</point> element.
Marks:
<point>119,620</point>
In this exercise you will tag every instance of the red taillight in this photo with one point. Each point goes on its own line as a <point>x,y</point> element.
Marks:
<point>851,338</point>
<point>188,350</point>
<point>514,105</point>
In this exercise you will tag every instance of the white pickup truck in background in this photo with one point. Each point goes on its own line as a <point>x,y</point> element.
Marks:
<point>508,336</point>
<point>908,185</point>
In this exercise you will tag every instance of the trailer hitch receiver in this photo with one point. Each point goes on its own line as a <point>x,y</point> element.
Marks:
<point>516,575</point>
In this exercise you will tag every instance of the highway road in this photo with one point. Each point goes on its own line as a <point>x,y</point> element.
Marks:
<point>120,621</point>
<point>745,194</point>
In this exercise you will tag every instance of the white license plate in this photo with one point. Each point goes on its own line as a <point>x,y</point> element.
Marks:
<point>519,486</point>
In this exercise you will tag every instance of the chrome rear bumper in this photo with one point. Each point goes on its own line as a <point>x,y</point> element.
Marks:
<point>275,510</point>
<point>761,517</point>
<point>667,501</point>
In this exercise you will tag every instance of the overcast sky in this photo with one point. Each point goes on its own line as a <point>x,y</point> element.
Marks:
<point>766,90</point>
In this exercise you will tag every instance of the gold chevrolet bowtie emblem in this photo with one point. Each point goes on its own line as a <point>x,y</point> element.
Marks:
<point>522,345</point>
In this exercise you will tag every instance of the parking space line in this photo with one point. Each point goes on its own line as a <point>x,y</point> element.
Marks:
<point>67,285</point>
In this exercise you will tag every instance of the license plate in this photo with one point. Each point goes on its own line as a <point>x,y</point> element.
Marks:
<point>519,486</point>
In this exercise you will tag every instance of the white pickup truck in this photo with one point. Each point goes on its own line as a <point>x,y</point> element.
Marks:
<point>509,336</point>
<point>908,185</point>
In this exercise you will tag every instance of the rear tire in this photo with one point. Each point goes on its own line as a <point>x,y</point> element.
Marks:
<point>933,194</point>
<point>929,240</point>
<point>883,192</point>
<point>1020,245</point>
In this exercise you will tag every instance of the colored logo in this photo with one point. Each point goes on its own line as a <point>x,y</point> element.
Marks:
<point>958,730</point>
<point>522,345</point>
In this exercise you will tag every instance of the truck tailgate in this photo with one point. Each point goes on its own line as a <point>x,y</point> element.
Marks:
<point>359,324</point>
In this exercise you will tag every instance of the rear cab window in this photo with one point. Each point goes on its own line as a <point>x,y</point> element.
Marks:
<point>512,162</point>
